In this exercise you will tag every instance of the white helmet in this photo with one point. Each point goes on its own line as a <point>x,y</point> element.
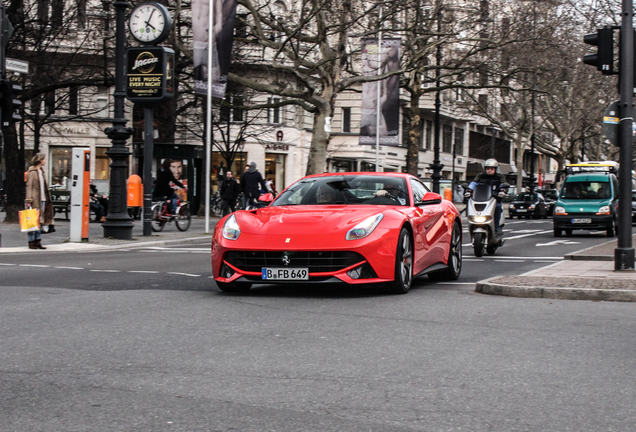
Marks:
<point>491,163</point>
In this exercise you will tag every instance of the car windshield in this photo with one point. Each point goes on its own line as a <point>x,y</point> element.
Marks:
<point>526,197</point>
<point>586,190</point>
<point>347,190</point>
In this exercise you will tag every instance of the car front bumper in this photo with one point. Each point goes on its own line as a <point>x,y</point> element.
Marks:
<point>596,222</point>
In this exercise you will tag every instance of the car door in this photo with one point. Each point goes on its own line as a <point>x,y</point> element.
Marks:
<point>429,228</point>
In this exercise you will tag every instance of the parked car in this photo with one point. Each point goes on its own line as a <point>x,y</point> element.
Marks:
<point>551,196</point>
<point>634,206</point>
<point>528,204</point>
<point>348,228</point>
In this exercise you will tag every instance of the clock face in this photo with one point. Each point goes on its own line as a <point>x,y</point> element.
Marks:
<point>150,23</point>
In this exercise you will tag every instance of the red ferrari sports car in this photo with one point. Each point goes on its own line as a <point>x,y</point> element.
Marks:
<point>353,228</point>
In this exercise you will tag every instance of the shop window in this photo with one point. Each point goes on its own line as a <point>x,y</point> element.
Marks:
<point>102,162</point>
<point>428,132</point>
<point>72,101</point>
<point>275,170</point>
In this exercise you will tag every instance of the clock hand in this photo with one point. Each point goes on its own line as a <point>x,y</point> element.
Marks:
<point>149,18</point>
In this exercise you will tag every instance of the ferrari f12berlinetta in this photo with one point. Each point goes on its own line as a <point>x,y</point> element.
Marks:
<point>351,228</point>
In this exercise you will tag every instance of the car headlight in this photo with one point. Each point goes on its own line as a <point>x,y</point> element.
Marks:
<point>231,230</point>
<point>512,206</point>
<point>559,210</point>
<point>532,206</point>
<point>605,210</point>
<point>364,228</point>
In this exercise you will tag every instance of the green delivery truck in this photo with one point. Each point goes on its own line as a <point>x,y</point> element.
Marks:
<point>588,199</point>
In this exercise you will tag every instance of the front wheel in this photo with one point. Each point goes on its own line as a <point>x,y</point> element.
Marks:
<point>478,244</point>
<point>157,223</point>
<point>610,230</point>
<point>183,218</point>
<point>454,263</point>
<point>558,232</point>
<point>403,264</point>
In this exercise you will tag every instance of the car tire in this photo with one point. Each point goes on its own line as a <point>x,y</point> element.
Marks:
<point>568,232</point>
<point>234,287</point>
<point>558,232</point>
<point>403,276</point>
<point>454,262</point>
<point>611,231</point>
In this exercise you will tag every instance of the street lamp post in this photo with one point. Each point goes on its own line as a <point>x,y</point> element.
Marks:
<point>436,166</point>
<point>118,223</point>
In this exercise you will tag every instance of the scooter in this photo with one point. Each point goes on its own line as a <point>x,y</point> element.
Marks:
<point>480,211</point>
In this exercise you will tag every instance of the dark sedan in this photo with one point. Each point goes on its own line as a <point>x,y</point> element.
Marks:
<point>528,204</point>
<point>551,196</point>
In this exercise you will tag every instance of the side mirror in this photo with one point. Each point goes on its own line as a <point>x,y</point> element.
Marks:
<point>505,185</point>
<point>266,198</point>
<point>431,198</point>
<point>465,185</point>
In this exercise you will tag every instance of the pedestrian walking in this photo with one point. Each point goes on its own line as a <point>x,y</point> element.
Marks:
<point>38,197</point>
<point>229,192</point>
<point>252,184</point>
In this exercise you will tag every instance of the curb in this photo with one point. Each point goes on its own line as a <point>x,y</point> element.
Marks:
<point>93,247</point>
<point>489,286</point>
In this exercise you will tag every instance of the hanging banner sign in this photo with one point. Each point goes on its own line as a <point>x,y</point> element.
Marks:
<point>149,74</point>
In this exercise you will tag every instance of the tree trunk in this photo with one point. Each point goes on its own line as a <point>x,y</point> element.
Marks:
<point>15,175</point>
<point>519,162</point>
<point>413,151</point>
<point>317,162</point>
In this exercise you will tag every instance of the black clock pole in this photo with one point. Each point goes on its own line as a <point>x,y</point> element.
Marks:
<point>118,223</point>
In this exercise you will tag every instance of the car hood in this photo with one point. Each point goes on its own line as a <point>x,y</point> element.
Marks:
<point>309,227</point>
<point>588,206</point>
<point>305,219</point>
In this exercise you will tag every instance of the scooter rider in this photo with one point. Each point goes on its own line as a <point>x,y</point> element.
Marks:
<point>496,180</point>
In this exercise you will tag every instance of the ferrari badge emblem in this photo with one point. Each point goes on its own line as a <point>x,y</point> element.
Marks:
<point>287,240</point>
<point>286,260</point>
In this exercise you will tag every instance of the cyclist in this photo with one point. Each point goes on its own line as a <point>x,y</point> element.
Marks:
<point>163,188</point>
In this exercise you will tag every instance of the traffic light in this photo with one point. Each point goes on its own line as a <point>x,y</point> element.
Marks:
<point>9,93</point>
<point>604,57</point>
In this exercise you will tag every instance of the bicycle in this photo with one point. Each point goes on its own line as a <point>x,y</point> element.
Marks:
<point>161,216</point>
<point>216,204</point>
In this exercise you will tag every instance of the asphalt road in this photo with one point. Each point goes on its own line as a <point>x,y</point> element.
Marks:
<point>141,340</point>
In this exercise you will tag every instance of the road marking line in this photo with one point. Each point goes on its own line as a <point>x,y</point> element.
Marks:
<point>510,261</point>
<point>143,271</point>
<point>184,274</point>
<point>34,265</point>
<point>7,264</point>
<point>69,268</point>
<point>178,249</point>
<point>106,271</point>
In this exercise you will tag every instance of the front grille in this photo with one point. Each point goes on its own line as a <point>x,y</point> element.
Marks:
<point>480,207</point>
<point>323,261</point>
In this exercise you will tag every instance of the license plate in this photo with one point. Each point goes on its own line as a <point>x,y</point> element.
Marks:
<point>283,273</point>
<point>521,210</point>
<point>581,220</point>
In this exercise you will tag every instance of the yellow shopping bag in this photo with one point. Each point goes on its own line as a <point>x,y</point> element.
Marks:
<point>30,220</point>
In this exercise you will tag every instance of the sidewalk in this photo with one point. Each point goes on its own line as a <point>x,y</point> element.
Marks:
<point>14,241</point>
<point>587,274</point>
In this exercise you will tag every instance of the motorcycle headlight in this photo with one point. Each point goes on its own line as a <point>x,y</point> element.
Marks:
<point>559,210</point>
<point>479,219</point>
<point>231,230</point>
<point>364,228</point>
<point>604,210</point>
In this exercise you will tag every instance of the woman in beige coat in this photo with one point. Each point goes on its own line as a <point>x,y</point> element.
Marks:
<point>38,197</point>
